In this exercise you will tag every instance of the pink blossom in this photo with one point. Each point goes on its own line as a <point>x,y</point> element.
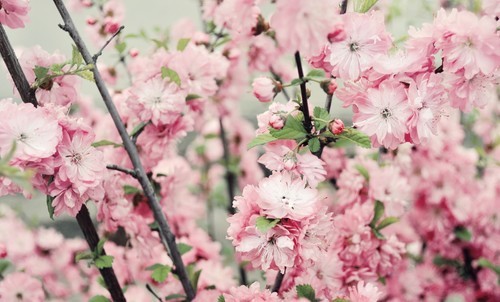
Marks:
<point>366,38</point>
<point>303,25</point>
<point>364,293</point>
<point>468,93</point>
<point>336,126</point>
<point>286,196</point>
<point>238,16</point>
<point>14,13</point>
<point>34,132</point>
<point>21,287</point>
<point>384,114</point>
<point>253,293</point>
<point>264,89</point>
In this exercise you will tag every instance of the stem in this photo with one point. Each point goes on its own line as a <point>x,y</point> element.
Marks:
<point>99,53</point>
<point>27,94</point>
<point>278,281</point>
<point>303,92</point>
<point>83,217</point>
<point>166,235</point>
<point>90,234</point>
<point>328,102</point>
<point>121,169</point>
<point>230,176</point>
<point>148,287</point>
<point>343,7</point>
<point>283,89</point>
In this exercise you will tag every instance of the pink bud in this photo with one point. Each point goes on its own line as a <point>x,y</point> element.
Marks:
<point>134,52</point>
<point>337,34</point>
<point>336,126</point>
<point>87,3</point>
<point>263,89</point>
<point>276,122</point>
<point>3,251</point>
<point>111,27</point>
<point>332,86</point>
<point>91,21</point>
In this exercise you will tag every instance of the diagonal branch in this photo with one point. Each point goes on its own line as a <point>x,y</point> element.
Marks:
<point>303,92</point>
<point>83,217</point>
<point>167,237</point>
<point>99,53</point>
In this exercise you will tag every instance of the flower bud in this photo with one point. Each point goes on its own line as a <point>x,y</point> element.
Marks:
<point>264,89</point>
<point>3,251</point>
<point>133,52</point>
<point>111,27</point>
<point>329,86</point>
<point>276,122</point>
<point>336,126</point>
<point>91,21</point>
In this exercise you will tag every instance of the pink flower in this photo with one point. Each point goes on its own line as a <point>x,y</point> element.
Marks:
<point>34,131</point>
<point>303,25</point>
<point>384,114</point>
<point>21,287</point>
<point>14,13</point>
<point>82,164</point>
<point>158,101</point>
<point>238,16</point>
<point>366,38</point>
<point>264,89</point>
<point>253,293</point>
<point>364,293</point>
<point>336,126</point>
<point>286,196</point>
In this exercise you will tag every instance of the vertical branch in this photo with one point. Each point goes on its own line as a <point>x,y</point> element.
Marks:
<point>83,217</point>
<point>10,59</point>
<point>166,234</point>
<point>303,92</point>
<point>277,282</point>
<point>343,7</point>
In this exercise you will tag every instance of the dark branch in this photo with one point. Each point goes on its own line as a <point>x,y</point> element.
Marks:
<point>166,235</point>
<point>27,94</point>
<point>121,169</point>
<point>343,7</point>
<point>277,282</point>
<point>303,92</point>
<point>148,287</point>
<point>99,53</point>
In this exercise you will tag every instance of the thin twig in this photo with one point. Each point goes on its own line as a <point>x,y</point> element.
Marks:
<point>166,235</point>
<point>121,169</point>
<point>138,132</point>
<point>328,102</point>
<point>278,78</point>
<point>83,216</point>
<point>278,281</point>
<point>9,56</point>
<point>99,53</point>
<point>343,7</point>
<point>230,176</point>
<point>148,287</point>
<point>303,92</point>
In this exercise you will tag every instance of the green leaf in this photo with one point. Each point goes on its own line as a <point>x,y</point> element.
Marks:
<point>261,140</point>
<point>387,222</point>
<point>120,47</point>
<point>483,262</point>
<point>340,300</point>
<point>356,137</point>
<point>128,189</point>
<point>293,129</point>
<point>183,248</point>
<point>4,264</point>
<point>76,57</point>
<point>442,261</point>
<point>316,73</point>
<point>103,261</point>
<point>362,170</point>
<point>321,118</point>
<point>378,212</point>
<point>86,74</point>
<point>221,299</point>
<point>40,72</point>
<point>306,291</point>
<point>50,208</point>
<point>154,226</point>
<point>84,256</point>
<point>138,128</point>
<point>314,144</point>
<point>462,233</point>
<point>105,142</point>
<point>175,296</point>
<point>378,234</point>
<point>160,272</point>
<point>99,298</point>
<point>100,246</point>
<point>296,82</point>
<point>264,224</point>
<point>181,45</point>
<point>191,97</point>
<point>193,275</point>
<point>100,281</point>
<point>362,6</point>
<point>171,74</point>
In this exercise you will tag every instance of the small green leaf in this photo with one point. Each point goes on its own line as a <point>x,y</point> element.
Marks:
<point>264,224</point>
<point>99,298</point>
<point>296,82</point>
<point>120,47</point>
<point>154,226</point>
<point>104,142</point>
<point>103,261</point>
<point>378,212</point>
<point>191,97</point>
<point>362,6</point>
<point>362,170</point>
<point>128,189</point>
<point>306,291</point>
<point>86,74</point>
<point>40,72</point>
<point>50,208</point>
<point>100,246</point>
<point>483,262</point>
<point>183,248</point>
<point>181,45</point>
<point>4,264</point>
<point>221,299</point>
<point>76,57</point>
<point>84,256</point>
<point>340,300</point>
<point>175,296</point>
<point>171,74</point>
<point>138,128</point>
<point>160,272</point>
<point>462,233</point>
<point>356,137</point>
<point>316,73</point>
<point>321,118</point>
<point>100,281</point>
<point>314,144</point>
<point>387,222</point>
<point>261,140</point>
<point>442,261</point>
<point>293,129</point>
<point>378,234</point>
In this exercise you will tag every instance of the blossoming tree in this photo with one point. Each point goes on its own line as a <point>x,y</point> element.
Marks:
<point>397,202</point>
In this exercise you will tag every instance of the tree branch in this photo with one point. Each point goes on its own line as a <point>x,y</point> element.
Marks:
<point>343,7</point>
<point>99,53</point>
<point>167,237</point>
<point>303,92</point>
<point>27,94</point>
<point>121,169</point>
<point>277,282</point>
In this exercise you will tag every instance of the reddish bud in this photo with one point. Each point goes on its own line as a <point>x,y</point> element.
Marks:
<point>329,86</point>
<point>336,126</point>
<point>134,52</point>
<point>91,21</point>
<point>276,122</point>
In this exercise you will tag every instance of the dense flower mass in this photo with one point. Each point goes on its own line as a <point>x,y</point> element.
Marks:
<point>198,200</point>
